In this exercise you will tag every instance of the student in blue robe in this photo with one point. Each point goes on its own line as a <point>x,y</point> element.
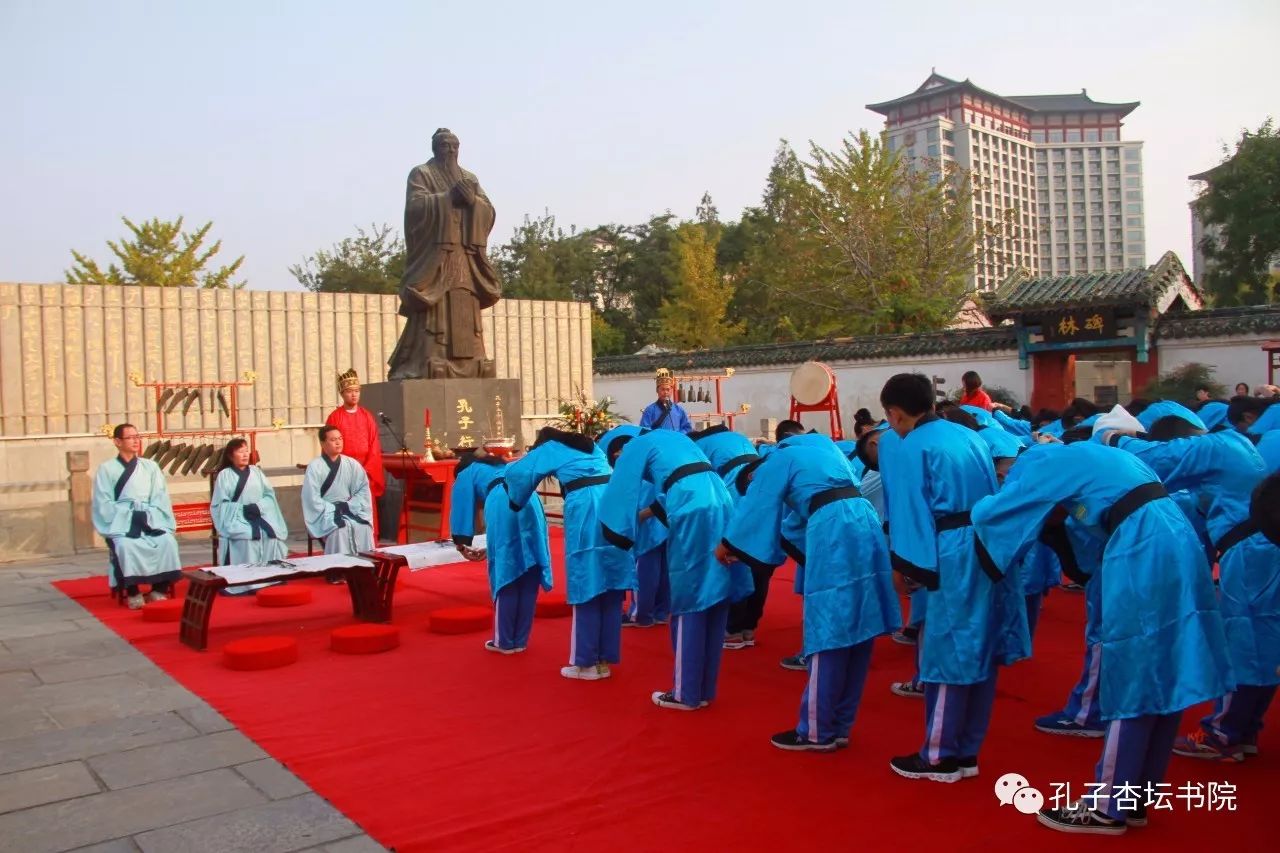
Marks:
<point>597,574</point>
<point>1213,413</point>
<point>1224,469</point>
<point>694,504</point>
<point>729,453</point>
<point>842,566</point>
<point>976,617</point>
<point>133,513</point>
<point>337,505</point>
<point>664,412</point>
<point>515,547</point>
<point>251,528</point>
<point>1012,425</point>
<point>651,599</point>
<point>1163,645</point>
<point>1269,450</point>
<point>1268,419</point>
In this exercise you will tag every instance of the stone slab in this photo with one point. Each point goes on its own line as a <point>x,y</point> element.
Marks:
<point>359,844</point>
<point>272,778</point>
<point>39,750</point>
<point>96,667</point>
<point>280,827</point>
<point>18,723</point>
<point>28,788</point>
<point>205,719</point>
<point>40,629</point>
<point>115,814</point>
<point>120,845</point>
<point>15,680</point>
<point>148,700</point>
<point>171,760</point>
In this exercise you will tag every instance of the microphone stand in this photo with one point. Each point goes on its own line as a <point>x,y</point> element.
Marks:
<point>386,422</point>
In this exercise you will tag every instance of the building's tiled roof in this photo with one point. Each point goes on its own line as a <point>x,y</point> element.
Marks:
<point>1208,323</point>
<point>1022,294</point>
<point>842,349</point>
<point>1221,322</point>
<point>1078,102</point>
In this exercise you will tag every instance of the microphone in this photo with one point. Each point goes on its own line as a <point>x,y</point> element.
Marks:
<point>382,416</point>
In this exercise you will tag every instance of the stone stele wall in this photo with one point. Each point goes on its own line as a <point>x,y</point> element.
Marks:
<point>67,352</point>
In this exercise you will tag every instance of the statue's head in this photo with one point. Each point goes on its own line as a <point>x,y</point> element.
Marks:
<point>444,144</point>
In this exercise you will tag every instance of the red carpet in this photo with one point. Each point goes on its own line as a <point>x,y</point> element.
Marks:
<point>439,745</point>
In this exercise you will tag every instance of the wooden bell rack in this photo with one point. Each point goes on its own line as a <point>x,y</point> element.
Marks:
<point>719,414</point>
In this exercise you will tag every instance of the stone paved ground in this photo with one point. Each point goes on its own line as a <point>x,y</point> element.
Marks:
<point>100,750</point>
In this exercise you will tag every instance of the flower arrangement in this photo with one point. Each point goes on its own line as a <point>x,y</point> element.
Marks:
<point>590,417</point>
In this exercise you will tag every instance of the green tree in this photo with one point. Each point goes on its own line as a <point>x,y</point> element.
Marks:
<point>1180,384</point>
<point>541,261</point>
<point>693,317</point>
<point>159,254</point>
<point>370,262</point>
<point>895,246</point>
<point>1240,207</point>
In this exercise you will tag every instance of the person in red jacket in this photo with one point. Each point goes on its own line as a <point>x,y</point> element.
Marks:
<point>360,436</point>
<point>974,395</point>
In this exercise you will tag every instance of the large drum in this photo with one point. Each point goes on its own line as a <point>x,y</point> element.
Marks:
<point>811,383</point>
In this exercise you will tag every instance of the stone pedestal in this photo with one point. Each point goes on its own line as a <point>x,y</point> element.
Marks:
<point>462,410</point>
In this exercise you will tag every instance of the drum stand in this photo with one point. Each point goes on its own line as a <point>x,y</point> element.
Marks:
<point>829,404</point>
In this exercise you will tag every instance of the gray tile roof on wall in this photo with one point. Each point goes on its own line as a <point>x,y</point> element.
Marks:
<point>1141,286</point>
<point>1221,322</point>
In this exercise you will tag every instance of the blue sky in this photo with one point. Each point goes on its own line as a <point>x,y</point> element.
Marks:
<point>288,124</point>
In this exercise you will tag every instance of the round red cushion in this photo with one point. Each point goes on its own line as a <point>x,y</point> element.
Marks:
<point>165,610</point>
<point>364,638</point>
<point>288,595</point>
<point>460,620</point>
<point>260,653</point>
<point>552,606</point>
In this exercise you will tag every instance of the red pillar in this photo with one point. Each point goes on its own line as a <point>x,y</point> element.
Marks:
<point>1140,374</point>
<point>1053,380</point>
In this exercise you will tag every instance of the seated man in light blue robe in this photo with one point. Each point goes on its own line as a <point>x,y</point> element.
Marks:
<point>336,504</point>
<point>695,505</point>
<point>842,567</point>
<point>651,599</point>
<point>1223,468</point>
<point>132,511</point>
<point>597,574</point>
<point>976,617</point>
<point>515,547</point>
<point>1163,644</point>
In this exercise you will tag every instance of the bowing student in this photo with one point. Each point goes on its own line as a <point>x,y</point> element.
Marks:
<point>842,570</point>
<point>515,552</point>
<point>651,598</point>
<point>596,573</point>
<point>975,621</point>
<point>1157,658</point>
<point>695,505</point>
<point>251,528</point>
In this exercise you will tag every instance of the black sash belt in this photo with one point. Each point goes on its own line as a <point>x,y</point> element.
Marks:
<point>1236,535</point>
<point>830,496</point>
<point>342,511</point>
<point>685,471</point>
<point>1133,500</point>
<point>735,462</point>
<point>493,484</point>
<point>260,526</point>
<point>138,526</point>
<point>582,483</point>
<point>952,521</point>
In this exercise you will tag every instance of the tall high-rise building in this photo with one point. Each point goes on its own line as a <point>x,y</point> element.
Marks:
<point>1056,190</point>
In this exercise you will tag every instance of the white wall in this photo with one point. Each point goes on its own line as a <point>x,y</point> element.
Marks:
<point>767,389</point>
<point>1234,359</point>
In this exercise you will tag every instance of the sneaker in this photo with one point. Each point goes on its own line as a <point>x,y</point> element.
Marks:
<point>154,595</point>
<point>603,671</point>
<point>734,641</point>
<point>903,638</point>
<point>908,689</point>
<point>582,673</point>
<point>1249,746</point>
<point>1079,819</point>
<point>1198,745</point>
<point>135,602</point>
<point>749,637</point>
<point>631,623</point>
<point>914,766</point>
<point>842,742</point>
<point>1056,724</point>
<point>1071,586</point>
<point>797,662</point>
<point>491,646</point>
<point>668,700</point>
<point>796,742</point>
<point>968,767</point>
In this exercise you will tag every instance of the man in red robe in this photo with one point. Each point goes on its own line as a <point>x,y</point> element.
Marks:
<point>360,436</point>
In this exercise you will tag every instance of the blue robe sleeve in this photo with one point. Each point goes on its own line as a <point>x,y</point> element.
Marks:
<point>1010,425</point>
<point>462,507</point>
<point>104,500</point>
<point>1182,463</point>
<point>682,422</point>
<point>228,515</point>
<point>361,500</point>
<point>649,415</point>
<point>755,532</point>
<point>1009,522</point>
<point>317,512</point>
<point>270,506</point>
<point>524,475</point>
<point>913,536</point>
<point>620,506</point>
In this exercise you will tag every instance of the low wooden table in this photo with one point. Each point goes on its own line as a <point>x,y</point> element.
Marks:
<point>372,589</point>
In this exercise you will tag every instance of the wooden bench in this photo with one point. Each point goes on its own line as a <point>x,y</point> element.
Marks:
<point>195,518</point>
<point>372,591</point>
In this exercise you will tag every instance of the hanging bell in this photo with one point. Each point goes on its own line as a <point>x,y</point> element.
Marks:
<point>680,394</point>
<point>706,395</point>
